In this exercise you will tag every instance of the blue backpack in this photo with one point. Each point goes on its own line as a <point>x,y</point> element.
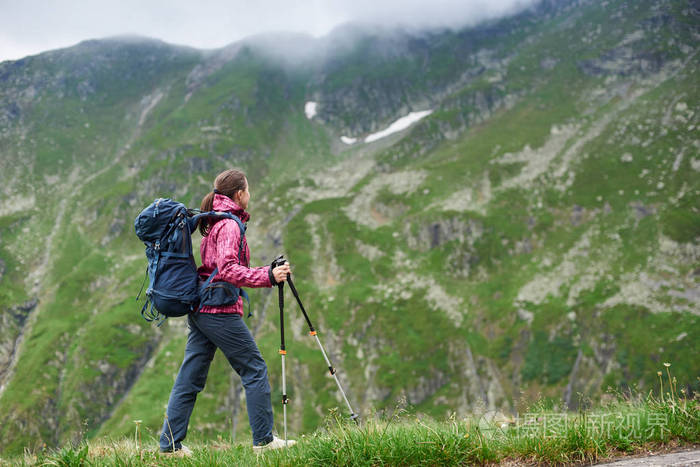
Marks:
<point>174,288</point>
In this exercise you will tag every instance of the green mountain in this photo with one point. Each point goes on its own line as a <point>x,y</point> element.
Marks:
<point>536,235</point>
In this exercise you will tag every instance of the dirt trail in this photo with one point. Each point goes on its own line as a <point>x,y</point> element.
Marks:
<point>681,458</point>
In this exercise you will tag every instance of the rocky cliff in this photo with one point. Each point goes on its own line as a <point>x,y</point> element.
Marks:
<point>532,234</point>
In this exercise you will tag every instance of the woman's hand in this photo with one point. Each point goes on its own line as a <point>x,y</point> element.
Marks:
<point>280,272</point>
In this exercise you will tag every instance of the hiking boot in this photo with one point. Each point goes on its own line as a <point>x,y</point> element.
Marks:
<point>276,443</point>
<point>184,451</point>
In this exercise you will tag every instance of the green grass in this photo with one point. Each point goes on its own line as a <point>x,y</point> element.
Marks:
<point>539,435</point>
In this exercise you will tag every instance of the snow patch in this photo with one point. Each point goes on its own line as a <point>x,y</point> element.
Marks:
<point>348,140</point>
<point>310,109</point>
<point>399,125</point>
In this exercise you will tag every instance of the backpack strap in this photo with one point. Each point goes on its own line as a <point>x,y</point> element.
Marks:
<point>142,284</point>
<point>226,215</point>
<point>211,276</point>
<point>242,227</point>
<point>220,214</point>
<point>150,314</point>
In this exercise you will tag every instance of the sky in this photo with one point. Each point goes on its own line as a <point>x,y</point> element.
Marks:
<point>28,27</point>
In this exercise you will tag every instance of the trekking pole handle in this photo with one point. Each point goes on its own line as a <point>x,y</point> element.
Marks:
<point>279,261</point>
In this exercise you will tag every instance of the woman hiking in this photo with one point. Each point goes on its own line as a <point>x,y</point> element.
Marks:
<point>222,326</point>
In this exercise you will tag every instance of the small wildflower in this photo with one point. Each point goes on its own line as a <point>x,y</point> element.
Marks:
<point>667,365</point>
<point>658,373</point>
<point>466,435</point>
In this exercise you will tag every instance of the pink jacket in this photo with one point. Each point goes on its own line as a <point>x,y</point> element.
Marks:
<point>220,249</point>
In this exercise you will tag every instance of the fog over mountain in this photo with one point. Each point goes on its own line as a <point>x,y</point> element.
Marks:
<point>34,26</point>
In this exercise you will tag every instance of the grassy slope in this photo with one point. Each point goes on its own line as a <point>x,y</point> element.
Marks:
<point>382,354</point>
<point>418,346</point>
<point>67,340</point>
<point>84,354</point>
<point>538,436</point>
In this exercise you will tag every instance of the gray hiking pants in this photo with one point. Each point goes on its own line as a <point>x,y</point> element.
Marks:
<point>229,333</point>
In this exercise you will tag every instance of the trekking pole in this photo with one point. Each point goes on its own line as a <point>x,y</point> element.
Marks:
<point>283,353</point>
<point>312,332</point>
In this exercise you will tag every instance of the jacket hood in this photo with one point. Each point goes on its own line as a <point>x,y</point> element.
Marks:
<point>224,203</point>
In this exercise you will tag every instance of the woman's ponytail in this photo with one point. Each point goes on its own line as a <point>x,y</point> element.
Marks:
<point>206,206</point>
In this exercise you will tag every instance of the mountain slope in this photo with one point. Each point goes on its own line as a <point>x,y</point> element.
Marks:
<point>537,234</point>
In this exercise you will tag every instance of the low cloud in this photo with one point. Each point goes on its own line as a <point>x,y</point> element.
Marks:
<point>434,14</point>
<point>32,26</point>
